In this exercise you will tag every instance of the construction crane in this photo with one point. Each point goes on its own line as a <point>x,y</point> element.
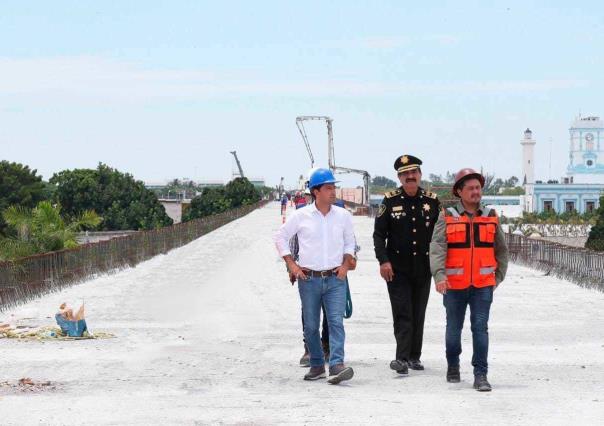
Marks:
<point>238,163</point>
<point>330,152</point>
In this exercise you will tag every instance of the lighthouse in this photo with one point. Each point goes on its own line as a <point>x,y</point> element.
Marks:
<point>528,169</point>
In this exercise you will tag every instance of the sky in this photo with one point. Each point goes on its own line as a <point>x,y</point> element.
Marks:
<point>165,89</point>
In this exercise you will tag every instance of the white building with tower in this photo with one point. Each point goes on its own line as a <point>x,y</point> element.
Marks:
<point>586,151</point>
<point>581,188</point>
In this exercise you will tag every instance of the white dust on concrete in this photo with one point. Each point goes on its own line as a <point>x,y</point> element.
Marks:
<point>210,334</point>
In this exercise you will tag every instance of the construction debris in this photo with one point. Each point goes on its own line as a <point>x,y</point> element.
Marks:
<point>26,385</point>
<point>46,333</point>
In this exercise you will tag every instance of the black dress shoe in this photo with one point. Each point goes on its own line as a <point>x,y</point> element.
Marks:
<point>415,364</point>
<point>400,366</point>
<point>453,374</point>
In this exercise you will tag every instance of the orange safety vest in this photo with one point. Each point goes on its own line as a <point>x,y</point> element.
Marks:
<point>470,249</point>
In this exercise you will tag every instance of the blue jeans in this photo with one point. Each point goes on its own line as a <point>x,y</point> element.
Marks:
<point>456,301</point>
<point>71,328</point>
<point>331,293</point>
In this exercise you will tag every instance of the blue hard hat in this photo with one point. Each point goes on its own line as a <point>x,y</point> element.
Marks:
<point>320,177</point>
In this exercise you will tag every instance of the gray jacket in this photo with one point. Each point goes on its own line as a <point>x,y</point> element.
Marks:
<point>438,248</point>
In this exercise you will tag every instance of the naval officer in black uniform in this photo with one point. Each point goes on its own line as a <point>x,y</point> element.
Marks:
<point>401,237</point>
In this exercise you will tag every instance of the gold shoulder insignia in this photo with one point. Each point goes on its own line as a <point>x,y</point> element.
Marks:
<point>393,193</point>
<point>431,195</point>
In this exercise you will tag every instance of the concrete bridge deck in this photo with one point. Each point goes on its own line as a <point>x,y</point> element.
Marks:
<point>210,334</point>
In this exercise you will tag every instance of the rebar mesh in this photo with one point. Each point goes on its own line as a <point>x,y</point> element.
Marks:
<point>579,265</point>
<point>27,278</point>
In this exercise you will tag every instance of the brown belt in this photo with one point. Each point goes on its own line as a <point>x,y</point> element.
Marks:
<point>320,274</point>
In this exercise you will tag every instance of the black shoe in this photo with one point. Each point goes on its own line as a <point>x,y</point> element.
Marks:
<point>415,364</point>
<point>481,384</point>
<point>453,374</point>
<point>400,366</point>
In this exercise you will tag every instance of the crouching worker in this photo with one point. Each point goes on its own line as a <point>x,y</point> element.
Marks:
<point>71,325</point>
<point>326,249</point>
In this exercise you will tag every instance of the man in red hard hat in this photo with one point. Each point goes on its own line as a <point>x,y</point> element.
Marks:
<point>468,259</point>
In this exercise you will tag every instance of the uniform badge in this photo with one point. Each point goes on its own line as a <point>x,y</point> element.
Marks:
<point>397,208</point>
<point>381,210</point>
<point>404,159</point>
<point>427,207</point>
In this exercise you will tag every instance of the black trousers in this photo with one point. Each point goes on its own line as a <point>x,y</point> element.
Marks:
<point>409,292</point>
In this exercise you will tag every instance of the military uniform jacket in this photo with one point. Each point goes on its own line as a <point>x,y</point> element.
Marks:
<point>403,228</point>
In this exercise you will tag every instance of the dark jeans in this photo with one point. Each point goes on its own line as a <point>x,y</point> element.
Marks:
<point>409,294</point>
<point>456,301</point>
<point>324,329</point>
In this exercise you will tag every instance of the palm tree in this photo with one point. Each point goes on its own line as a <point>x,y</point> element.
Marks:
<point>41,229</point>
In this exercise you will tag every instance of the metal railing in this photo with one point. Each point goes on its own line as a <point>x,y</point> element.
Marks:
<point>29,277</point>
<point>582,266</point>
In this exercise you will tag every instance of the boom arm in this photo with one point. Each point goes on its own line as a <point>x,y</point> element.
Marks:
<point>300,123</point>
<point>238,163</point>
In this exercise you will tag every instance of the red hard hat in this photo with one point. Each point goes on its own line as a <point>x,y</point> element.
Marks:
<point>464,174</point>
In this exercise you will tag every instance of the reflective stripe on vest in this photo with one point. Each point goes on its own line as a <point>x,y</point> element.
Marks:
<point>470,249</point>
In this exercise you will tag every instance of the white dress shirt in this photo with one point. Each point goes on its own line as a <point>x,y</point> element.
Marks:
<point>323,240</point>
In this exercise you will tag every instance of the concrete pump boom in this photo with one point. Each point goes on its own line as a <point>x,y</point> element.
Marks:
<point>330,151</point>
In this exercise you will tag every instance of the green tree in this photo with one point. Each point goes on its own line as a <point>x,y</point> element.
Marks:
<point>212,200</point>
<point>434,178</point>
<point>511,182</point>
<point>241,192</point>
<point>383,182</point>
<point>266,191</point>
<point>19,186</point>
<point>450,177</point>
<point>238,192</point>
<point>595,241</point>
<point>41,229</point>
<point>123,202</point>
<point>517,190</point>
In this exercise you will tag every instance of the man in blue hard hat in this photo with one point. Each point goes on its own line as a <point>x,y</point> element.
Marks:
<point>326,251</point>
<point>294,250</point>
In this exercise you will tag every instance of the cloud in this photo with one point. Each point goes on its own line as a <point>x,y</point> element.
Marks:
<point>89,77</point>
